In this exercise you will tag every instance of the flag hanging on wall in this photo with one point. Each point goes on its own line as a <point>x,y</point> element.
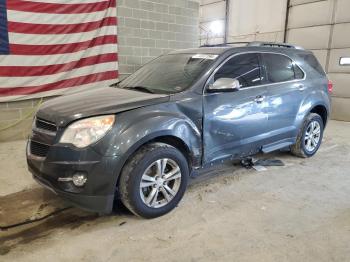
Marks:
<point>49,47</point>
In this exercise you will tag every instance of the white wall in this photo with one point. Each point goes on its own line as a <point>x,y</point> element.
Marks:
<point>322,26</point>
<point>256,20</point>
<point>212,10</point>
<point>249,20</point>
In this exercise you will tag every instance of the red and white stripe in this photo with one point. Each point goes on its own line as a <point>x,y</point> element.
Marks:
<point>58,45</point>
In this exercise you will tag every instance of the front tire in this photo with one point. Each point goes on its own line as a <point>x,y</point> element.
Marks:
<point>154,180</point>
<point>310,137</point>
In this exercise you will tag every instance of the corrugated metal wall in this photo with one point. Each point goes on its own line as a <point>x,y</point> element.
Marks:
<point>249,20</point>
<point>324,27</point>
<point>211,10</point>
<point>256,20</point>
<point>320,25</point>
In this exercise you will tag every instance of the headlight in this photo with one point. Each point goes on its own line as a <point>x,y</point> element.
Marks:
<point>87,131</point>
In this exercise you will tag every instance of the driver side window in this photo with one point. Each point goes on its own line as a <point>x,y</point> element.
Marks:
<point>245,68</point>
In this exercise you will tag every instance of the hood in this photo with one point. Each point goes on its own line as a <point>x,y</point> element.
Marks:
<point>109,100</point>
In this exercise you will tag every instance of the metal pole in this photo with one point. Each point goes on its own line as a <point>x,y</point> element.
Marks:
<point>286,22</point>
<point>227,18</point>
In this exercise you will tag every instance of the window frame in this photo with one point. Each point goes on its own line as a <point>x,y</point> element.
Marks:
<point>263,71</point>
<point>294,66</point>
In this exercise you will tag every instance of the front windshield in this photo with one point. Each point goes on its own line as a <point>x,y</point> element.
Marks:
<point>168,74</point>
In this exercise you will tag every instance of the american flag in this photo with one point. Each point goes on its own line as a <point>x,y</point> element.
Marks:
<point>49,47</point>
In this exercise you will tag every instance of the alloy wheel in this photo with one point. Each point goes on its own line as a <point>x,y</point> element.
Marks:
<point>312,136</point>
<point>160,183</point>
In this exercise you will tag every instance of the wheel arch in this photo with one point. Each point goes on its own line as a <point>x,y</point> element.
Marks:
<point>128,190</point>
<point>160,137</point>
<point>179,144</point>
<point>322,111</point>
<point>308,106</point>
<point>166,138</point>
<point>170,139</point>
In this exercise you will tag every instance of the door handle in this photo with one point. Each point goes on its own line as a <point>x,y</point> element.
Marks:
<point>259,99</point>
<point>301,87</point>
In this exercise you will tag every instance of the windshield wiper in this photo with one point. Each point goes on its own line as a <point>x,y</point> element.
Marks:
<point>140,88</point>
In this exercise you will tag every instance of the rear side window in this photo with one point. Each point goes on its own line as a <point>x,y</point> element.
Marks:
<point>299,74</point>
<point>311,60</point>
<point>245,68</point>
<point>280,68</point>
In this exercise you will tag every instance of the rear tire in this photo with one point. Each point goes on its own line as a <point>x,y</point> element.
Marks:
<point>154,180</point>
<point>310,137</point>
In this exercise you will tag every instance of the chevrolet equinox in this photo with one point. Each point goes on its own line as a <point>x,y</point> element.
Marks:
<point>140,140</point>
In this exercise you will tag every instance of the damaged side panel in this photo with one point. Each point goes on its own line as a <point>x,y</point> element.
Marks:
<point>234,124</point>
<point>138,127</point>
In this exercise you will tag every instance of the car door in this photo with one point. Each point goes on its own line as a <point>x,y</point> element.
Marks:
<point>235,122</point>
<point>285,89</point>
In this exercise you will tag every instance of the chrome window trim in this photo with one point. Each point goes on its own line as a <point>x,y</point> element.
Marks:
<point>250,87</point>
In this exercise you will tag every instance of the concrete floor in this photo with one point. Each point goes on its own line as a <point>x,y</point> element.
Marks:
<point>300,212</point>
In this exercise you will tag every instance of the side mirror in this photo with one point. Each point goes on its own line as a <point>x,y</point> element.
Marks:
<point>225,85</point>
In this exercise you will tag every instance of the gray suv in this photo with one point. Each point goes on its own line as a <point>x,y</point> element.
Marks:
<point>141,139</point>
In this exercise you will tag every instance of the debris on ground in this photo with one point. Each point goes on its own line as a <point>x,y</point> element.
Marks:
<point>269,162</point>
<point>260,164</point>
<point>259,168</point>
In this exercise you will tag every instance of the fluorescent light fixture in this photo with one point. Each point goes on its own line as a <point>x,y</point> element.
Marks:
<point>217,27</point>
<point>344,61</point>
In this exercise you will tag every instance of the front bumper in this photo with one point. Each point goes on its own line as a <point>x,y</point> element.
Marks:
<point>62,162</point>
<point>100,204</point>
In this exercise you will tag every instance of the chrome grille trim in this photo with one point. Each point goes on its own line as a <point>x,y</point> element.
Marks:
<point>44,125</point>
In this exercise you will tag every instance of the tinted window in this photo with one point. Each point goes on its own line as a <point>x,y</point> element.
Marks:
<point>169,74</point>
<point>245,68</point>
<point>299,74</point>
<point>279,68</point>
<point>312,61</point>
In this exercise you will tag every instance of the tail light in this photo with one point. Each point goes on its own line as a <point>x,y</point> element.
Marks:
<point>330,86</point>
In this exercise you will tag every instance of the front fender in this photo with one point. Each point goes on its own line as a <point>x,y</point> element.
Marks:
<point>136,128</point>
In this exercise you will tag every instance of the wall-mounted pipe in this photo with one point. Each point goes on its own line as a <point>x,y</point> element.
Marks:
<point>227,20</point>
<point>286,22</point>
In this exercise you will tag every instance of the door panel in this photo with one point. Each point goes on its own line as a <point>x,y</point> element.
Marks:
<point>283,105</point>
<point>235,122</point>
<point>285,91</point>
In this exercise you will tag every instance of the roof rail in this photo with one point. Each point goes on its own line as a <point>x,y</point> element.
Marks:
<point>257,44</point>
<point>226,44</point>
<point>271,44</point>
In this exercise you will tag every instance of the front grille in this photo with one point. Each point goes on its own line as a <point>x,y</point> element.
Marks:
<point>38,149</point>
<point>45,125</point>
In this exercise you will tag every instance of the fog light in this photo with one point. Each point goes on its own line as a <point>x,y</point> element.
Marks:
<point>79,179</point>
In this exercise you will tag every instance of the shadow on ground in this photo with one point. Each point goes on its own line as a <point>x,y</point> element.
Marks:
<point>35,204</point>
<point>39,202</point>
